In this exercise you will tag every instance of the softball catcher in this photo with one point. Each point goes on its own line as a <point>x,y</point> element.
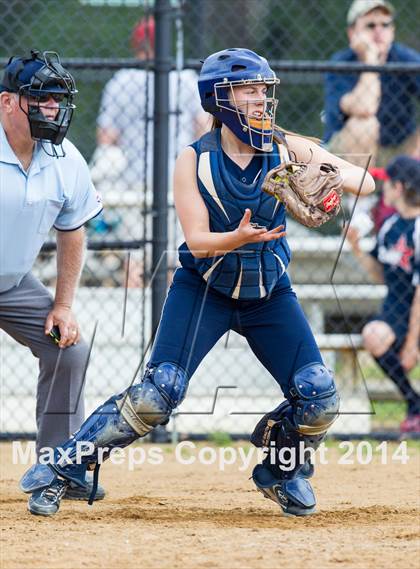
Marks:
<point>233,276</point>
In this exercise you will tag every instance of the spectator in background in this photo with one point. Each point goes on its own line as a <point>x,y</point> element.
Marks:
<point>372,113</point>
<point>369,214</point>
<point>122,164</point>
<point>392,337</point>
<point>380,211</point>
<point>125,121</point>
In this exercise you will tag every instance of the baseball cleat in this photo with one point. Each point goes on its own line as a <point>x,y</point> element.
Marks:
<point>46,501</point>
<point>41,476</point>
<point>75,492</point>
<point>294,496</point>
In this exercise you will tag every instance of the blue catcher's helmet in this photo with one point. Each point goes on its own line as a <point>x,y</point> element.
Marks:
<point>224,70</point>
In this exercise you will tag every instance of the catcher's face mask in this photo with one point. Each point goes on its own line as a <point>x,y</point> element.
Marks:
<point>45,91</point>
<point>253,107</point>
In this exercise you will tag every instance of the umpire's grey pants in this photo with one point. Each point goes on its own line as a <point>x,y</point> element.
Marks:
<point>59,400</point>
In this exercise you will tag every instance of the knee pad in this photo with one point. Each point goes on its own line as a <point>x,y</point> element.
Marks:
<point>171,381</point>
<point>151,402</point>
<point>314,399</point>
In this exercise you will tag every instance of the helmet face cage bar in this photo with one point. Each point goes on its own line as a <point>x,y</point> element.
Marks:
<point>260,130</point>
<point>53,130</point>
<point>51,80</point>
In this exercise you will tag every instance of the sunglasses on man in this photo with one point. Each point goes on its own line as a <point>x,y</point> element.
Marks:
<point>383,25</point>
<point>44,97</point>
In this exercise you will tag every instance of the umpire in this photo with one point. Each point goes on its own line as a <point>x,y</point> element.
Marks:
<point>44,183</point>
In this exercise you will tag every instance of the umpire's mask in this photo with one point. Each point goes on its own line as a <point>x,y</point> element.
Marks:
<point>40,79</point>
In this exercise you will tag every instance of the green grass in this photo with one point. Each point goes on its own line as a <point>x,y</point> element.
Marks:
<point>375,372</point>
<point>388,413</point>
<point>220,439</point>
<point>369,370</point>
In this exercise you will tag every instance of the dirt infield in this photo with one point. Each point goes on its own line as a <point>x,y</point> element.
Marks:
<point>178,516</point>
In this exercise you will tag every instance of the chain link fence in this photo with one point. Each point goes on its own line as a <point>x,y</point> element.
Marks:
<point>108,47</point>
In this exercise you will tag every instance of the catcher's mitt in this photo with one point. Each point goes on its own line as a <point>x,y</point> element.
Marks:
<point>311,193</point>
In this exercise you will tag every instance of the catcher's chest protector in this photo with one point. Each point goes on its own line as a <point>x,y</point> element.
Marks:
<point>252,271</point>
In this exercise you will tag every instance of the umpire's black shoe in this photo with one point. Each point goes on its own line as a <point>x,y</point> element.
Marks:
<point>46,502</point>
<point>75,492</point>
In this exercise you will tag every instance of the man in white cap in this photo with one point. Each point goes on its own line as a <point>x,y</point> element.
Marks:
<point>371,113</point>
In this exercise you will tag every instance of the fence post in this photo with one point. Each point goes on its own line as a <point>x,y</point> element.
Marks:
<point>163,63</point>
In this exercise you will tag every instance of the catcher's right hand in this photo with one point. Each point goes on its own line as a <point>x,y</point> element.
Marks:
<point>311,193</point>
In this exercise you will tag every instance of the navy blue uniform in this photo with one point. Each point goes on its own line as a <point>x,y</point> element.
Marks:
<point>246,290</point>
<point>398,250</point>
<point>206,298</point>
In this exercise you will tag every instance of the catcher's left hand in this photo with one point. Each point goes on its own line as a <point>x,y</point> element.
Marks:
<point>311,193</point>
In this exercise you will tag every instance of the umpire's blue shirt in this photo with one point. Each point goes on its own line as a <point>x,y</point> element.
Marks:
<point>396,113</point>
<point>54,192</point>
